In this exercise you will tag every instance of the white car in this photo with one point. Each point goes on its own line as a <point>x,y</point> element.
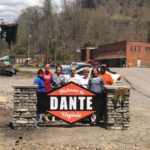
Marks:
<point>116,77</point>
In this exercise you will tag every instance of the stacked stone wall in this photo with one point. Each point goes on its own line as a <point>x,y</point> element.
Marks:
<point>24,109</point>
<point>117,108</point>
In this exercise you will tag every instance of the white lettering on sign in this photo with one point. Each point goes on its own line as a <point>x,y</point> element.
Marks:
<point>81,102</point>
<point>53,103</point>
<point>70,103</point>
<point>67,90</point>
<point>63,103</point>
<point>73,103</point>
<point>89,103</point>
<point>71,115</point>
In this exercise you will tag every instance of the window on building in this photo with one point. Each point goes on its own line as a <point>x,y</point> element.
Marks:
<point>113,50</point>
<point>105,50</point>
<point>124,49</point>
<point>135,48</point>
<point>138,48</point>
<point>120,51</point>
<point>102,51</point>
<point>147,49</point>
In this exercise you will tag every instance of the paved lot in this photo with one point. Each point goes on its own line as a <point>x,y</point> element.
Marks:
<point>87,137</point>
<point>139,78</point>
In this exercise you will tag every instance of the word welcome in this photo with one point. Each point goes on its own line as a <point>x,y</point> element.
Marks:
<point>67,90</point>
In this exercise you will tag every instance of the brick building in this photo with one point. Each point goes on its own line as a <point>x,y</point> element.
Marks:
<point>37,58</point>
<point>87,53</point>
<point>125,53</point>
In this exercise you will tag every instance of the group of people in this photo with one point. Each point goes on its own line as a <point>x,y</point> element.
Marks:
<point>93,81</point>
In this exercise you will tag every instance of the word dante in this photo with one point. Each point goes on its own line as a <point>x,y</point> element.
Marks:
<point>71,103</point>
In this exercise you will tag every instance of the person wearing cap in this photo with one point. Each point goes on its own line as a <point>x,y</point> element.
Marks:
<point>107,77</point>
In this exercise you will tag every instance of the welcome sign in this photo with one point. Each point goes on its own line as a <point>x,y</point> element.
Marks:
<point>71,103</point>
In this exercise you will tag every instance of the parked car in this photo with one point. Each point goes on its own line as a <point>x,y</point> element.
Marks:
<point>78,67</point>
<point>8,70</point>
<point>115,76</point>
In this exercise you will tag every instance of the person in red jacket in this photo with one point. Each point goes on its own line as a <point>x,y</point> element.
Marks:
<point>47,78</point>
<point>47,75</point>
<point>107,77</point>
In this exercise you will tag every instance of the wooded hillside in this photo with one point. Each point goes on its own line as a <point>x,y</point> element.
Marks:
<point>58,32</point>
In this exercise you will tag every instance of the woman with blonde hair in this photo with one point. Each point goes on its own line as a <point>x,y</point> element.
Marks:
<point>85,79</point>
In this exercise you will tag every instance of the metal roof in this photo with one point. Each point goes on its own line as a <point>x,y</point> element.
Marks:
<point>91,48</point>
<point>110,57</point>
<point>4,58</point>
<point>7,23</point>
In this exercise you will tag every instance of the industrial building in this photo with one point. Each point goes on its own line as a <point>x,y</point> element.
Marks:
<point>119,54</point>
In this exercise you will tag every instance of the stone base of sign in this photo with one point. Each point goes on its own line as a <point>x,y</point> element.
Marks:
<point>117,107</point>
<point>24,109</point>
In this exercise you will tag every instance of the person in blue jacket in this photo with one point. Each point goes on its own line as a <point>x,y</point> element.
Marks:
<point>39,80</point>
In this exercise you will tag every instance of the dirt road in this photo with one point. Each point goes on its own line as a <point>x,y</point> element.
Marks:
<point>83,136</point>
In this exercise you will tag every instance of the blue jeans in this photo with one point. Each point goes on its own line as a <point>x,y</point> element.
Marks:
<point>40,118</point>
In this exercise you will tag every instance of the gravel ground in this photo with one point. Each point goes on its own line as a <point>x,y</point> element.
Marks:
<point>78,137</point>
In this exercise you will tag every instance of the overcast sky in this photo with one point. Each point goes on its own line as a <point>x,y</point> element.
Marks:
<point>10,9</point>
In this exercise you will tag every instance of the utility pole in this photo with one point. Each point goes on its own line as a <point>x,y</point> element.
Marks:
<point>78,51</point>
<point>52,41</point>
<point>55,53</point>
<point>48,49</point>
<point>29,42</point>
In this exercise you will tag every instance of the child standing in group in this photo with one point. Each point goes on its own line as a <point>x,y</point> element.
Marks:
<point>39,80</point>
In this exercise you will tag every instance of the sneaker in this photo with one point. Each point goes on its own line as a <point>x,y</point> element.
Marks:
<point>40,122</point>
<point>53,118</point>
<point>93,124</point>
<point>46,119</point>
